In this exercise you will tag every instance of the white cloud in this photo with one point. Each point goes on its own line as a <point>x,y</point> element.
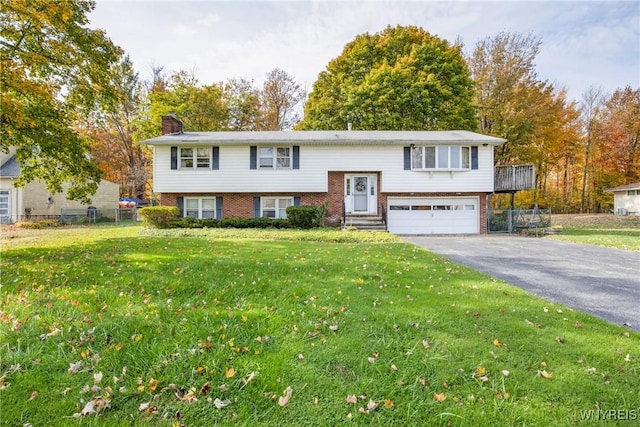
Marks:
<point>583,42</point>
<point>209,20</point>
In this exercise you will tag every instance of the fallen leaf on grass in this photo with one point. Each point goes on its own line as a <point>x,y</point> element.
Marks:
<point>627,358</point>
<point>351,399</point>
<point>74,368</point>
<point>497,343</point>
<point>34,395</point>
<point>230,372</point>
<point>388,403</point>
<point>560,340</point>
<point>248,379</point>
<point>545,374</point>
<point>440,397</point>
<point>284,400</point>
<point>219,404</point>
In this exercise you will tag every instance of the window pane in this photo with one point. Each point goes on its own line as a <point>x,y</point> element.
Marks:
<point>269,213</point>
<point>283,157</point>
<point>455,157</point>
<point>268,203</point>
<point>429,157</point>
<point>203,157</point>
<point>465,157</point>
<point>266,157</point>
<point>416,158</point>
<point>209,204</point>
<point>443,157</point>
<point>191,203</point>
<point>208,214</point>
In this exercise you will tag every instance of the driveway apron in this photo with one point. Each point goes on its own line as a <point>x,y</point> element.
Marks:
<point>601,281</point>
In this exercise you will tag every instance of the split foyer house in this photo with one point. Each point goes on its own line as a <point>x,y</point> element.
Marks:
<point>418,182</point>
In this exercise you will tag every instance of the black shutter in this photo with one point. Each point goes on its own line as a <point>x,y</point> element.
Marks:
<point>219,207</point>
<point>474,157</point>
<point>407,158</point>
<point>215,158</point>
<point>256,207</point>
<point>296,201</point>
<point>174,158</point>
<point>180,204</point>
<point>296,157</point>
<point>253,157</point>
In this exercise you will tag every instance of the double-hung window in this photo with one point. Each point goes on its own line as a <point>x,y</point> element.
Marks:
<point>275,158</point>
<point>275,207</point>
<point>195,158</point>
<point>204,207</point>
<point>441,157</point>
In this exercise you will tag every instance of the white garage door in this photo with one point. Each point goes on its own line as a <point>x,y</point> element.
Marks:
<point>433,215</point>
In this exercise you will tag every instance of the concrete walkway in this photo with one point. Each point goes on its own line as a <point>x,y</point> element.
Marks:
<point>601,281</point>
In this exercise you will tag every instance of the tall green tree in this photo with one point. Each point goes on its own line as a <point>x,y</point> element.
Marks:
<point>53,69</point>
<point>243,102</point>
<point>200,108</point>
<point>400,78</point>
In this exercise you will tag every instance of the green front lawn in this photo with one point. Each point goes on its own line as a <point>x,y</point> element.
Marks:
<point>622,232</point>
<point>197,327</point>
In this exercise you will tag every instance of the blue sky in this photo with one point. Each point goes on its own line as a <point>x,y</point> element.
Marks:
<point>584,43</point>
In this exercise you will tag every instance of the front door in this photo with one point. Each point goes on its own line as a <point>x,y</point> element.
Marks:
<point>360,194</point>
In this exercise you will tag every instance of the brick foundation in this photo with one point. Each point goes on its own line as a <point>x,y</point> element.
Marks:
<point>241,204</point>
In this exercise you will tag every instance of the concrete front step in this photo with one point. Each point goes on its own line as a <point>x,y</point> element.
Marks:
<point>365,223</point>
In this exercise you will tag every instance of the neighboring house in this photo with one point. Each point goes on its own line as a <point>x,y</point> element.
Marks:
<point>35,201</point>
<point>626,199</point>
<point>422,182</point>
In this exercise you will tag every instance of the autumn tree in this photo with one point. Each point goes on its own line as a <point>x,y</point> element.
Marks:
<point>590,106</point>
<point>53,69</point>
<point>279,98</point>
<point>620,132</point>
<point>114,131</point>
<point>400,78</point>
<point>508,91</point>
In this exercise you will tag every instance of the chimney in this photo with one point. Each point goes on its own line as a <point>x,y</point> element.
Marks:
<point>170,124</point>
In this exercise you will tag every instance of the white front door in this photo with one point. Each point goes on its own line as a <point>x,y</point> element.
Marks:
<point>360,194</point>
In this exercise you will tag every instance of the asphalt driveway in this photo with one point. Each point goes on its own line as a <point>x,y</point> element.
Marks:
<point>601,281</point>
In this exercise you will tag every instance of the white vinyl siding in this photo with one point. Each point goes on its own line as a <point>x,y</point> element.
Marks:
<point>202,208</point>
<point>387,161</point>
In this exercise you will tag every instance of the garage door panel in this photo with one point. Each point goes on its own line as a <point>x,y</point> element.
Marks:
<point>434,215</point>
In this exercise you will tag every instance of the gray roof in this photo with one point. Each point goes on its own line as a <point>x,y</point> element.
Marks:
<point>634,186</point>
<point>327,137</point>
<point>10,168</point>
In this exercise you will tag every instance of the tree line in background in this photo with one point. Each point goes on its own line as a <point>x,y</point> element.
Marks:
<point>67,91</point>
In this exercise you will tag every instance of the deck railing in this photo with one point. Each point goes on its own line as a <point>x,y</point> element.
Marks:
<point>514,178</point>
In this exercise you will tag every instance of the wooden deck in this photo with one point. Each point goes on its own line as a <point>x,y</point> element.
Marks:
<point>514,178</point>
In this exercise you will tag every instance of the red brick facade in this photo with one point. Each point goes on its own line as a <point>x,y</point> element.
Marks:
<point>241,204</point>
